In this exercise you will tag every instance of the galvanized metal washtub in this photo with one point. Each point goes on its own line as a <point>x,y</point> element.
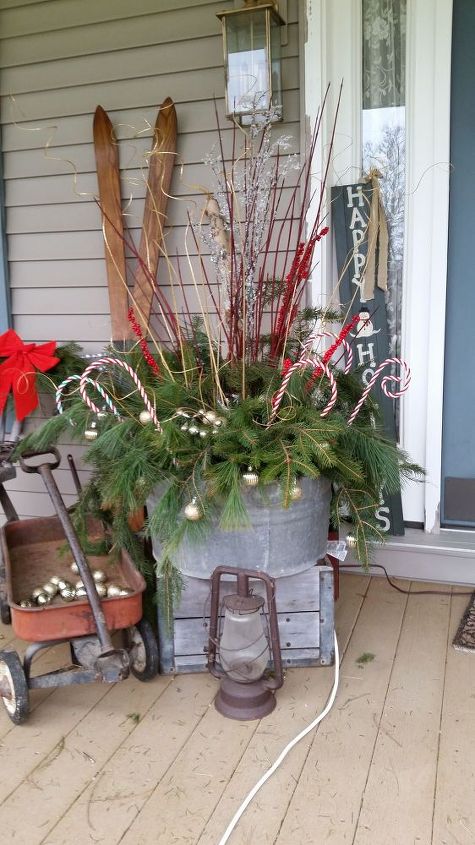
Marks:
<point>280,541</point>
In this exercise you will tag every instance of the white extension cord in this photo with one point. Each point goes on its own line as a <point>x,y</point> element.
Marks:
<point>265,777</point>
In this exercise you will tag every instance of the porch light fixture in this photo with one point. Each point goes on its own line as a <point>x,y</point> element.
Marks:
<point>239,655</point>
<point>252,62</point>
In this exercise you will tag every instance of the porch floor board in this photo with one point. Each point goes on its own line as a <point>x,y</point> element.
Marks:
<point>137,764</point>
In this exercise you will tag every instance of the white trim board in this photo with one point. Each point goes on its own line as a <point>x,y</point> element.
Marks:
<point>448,557</point>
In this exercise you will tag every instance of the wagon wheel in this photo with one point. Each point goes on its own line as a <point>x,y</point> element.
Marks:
<point>12,676</point>
<point>143,651</point>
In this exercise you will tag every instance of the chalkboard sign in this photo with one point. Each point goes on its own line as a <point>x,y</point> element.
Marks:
<point>352,207</point>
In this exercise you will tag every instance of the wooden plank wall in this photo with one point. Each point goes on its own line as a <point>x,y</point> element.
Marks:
<point>58,60</point>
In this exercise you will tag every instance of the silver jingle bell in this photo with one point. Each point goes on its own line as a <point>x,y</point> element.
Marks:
<point>68,594</point>
<point>101,590</point>
<point>99,576</point>
<point>145,417</point>
<point>113,591</point>
<point>250,478</point>
<point>50,589</point>
<point>193,511</point>
<point>43,599</point>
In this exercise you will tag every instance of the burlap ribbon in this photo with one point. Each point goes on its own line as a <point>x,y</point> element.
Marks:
<point>376,268</point>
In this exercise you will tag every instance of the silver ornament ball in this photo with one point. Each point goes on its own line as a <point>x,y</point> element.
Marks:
<point>50,589</point>
<point>250,478</point>
<point>101,590</point>
<point>43,599</point>
<point>193,511</point>
<point>68,594</point>
<point>55,579</point>
<point>81,593</point>
<point>26,603</point>
<point>295,492</point>
<point>113,591</point>
<point>37,592</point>
<point>99,576</point>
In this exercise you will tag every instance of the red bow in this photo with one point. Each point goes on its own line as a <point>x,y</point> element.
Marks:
<point>18,372</point>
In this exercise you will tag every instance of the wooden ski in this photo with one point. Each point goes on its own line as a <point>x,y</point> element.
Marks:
<point>107,162</point>
<point>162,160</point>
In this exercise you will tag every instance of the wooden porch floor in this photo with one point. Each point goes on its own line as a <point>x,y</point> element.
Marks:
<point>155,764</point>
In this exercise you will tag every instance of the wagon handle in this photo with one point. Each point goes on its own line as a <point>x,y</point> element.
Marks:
<point>54,464</point>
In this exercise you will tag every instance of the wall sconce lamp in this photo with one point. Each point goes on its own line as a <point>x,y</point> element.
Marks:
<point>240,653</point>
<point>252,62</point>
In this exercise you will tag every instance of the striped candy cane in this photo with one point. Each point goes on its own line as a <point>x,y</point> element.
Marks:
<point>403,380</point>
<point>308,361</point>
<point>346,346</point>
<point>133,375</point>
<point>94,384</point>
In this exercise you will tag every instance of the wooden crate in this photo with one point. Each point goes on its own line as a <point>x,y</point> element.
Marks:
<point>305,608</point>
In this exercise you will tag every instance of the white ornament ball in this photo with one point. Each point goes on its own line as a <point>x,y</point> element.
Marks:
<point>74,568</point>
<point>145,417</point>
<point>113,591</point>
<point>211,416</point>
<point>193,511</point>
<point>250,478</point>
<point>193,429</point>
<point>99,576</point>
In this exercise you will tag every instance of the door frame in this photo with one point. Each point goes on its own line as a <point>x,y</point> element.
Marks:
<point>332,52</point>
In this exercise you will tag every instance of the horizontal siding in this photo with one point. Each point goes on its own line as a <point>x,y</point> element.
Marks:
<point>59,59</point>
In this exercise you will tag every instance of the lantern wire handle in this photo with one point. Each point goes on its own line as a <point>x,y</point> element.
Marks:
<point>331,698</point>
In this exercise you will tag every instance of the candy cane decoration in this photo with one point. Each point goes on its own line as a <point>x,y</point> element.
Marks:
<point>346,346</point>
<point>100,390</point>
<point>133,375</point>
<point>403,381</point>
<point>310,361</point>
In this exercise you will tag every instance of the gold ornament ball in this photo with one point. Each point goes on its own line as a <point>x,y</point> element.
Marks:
<point>145,417</point>
<point>68,594</point>
<point>90,433</point>
<point>99,576</point>
<point>250,478</point>
<point>50,589</point>
<point>193,511</point>
<point>101,590</point>
<point>351,541</point>
<point>295,492</point>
